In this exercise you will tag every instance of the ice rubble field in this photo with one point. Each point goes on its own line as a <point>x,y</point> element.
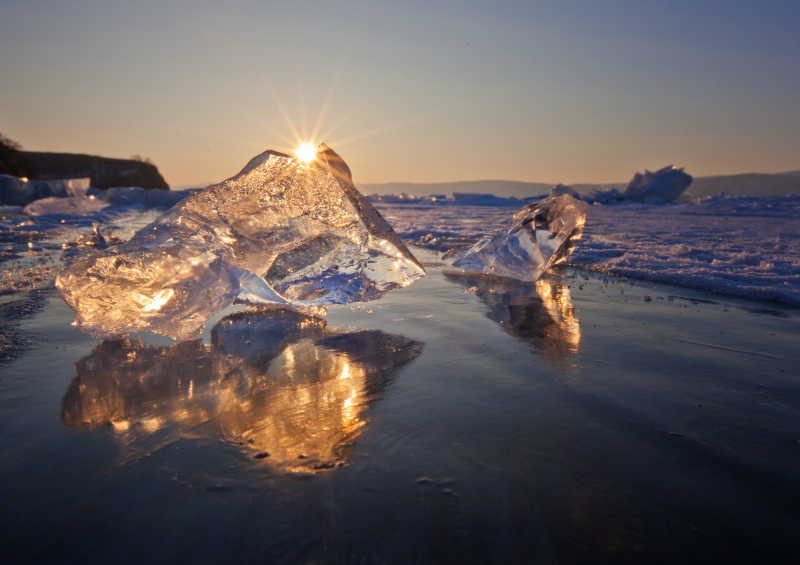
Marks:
<point>740,246</point>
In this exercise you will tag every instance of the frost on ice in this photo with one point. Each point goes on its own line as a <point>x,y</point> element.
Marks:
<point>280,231</point>
<point>541,235</point>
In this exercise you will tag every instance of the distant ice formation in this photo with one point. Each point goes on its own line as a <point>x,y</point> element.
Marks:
<point>21,191</point>
<point>280,231</point>
<point>541,235</point>
<point>664,185</point>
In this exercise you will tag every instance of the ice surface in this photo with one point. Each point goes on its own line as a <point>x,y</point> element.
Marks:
<point>134,195</point>
<point>539,313</point>
<point>70,205</point>
<point>22,191</point>
<point>277,384</point>
<point>541,235</point>
<point>279,231</point>
<point>739,246</point>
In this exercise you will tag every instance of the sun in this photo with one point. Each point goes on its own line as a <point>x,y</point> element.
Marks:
<point>306,152</point>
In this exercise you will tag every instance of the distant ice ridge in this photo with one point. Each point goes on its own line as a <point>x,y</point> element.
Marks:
<point>664,185</point>
<point>541,235</point>
<point>280,231</point>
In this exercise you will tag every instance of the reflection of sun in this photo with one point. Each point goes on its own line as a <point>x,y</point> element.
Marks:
<point>306,152</point>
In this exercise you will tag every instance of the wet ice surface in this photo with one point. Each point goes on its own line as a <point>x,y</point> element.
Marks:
<point>277,384</point>
<point>583,418</point>
<point>580,419</point>
<point>748,247</point>
<point>32,248</point>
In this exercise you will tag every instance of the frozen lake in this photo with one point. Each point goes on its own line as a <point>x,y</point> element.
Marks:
<point>584,419</point>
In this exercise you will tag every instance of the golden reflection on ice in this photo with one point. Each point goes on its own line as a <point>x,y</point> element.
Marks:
<point>557,299</point>
<point>541,314</point>
<point>158,301</point>
<point>300,409</point>
<point>310,419</point>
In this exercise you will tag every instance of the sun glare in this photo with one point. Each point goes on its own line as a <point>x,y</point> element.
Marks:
<point>306,152</point>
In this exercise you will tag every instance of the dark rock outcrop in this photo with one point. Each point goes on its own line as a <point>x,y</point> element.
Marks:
<point>105,172</point>
<point>13,162</point>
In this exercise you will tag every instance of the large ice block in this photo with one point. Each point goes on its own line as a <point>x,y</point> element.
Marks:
<point>279,231</point>
<point>541,235</point>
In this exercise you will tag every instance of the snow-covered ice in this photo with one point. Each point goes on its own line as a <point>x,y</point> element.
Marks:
<point>747,247</point>
<point>740,246</point>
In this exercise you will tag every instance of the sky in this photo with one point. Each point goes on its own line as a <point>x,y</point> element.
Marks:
<point>566,91</point>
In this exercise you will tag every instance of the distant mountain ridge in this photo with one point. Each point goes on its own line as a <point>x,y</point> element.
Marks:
<point>518,189</point>
<point>751,184</point>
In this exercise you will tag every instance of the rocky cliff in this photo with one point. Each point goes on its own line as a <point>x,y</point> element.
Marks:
<point>105,172</point>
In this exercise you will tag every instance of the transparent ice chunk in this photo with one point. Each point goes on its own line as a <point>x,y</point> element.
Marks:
<point>542,234</point>
<point>279,231</point>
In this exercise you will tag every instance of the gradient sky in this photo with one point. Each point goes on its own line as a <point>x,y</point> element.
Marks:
<point>542,91</point>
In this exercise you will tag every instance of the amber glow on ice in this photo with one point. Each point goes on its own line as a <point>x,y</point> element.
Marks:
<point>159,300</point>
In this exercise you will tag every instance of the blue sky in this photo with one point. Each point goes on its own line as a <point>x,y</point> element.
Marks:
<point>541,91</point>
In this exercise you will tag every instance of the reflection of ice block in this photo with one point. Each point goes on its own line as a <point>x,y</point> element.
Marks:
<point>276,384</point>
<point>540,313</point>
<point>541,235</point>
<point>279,231</point>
